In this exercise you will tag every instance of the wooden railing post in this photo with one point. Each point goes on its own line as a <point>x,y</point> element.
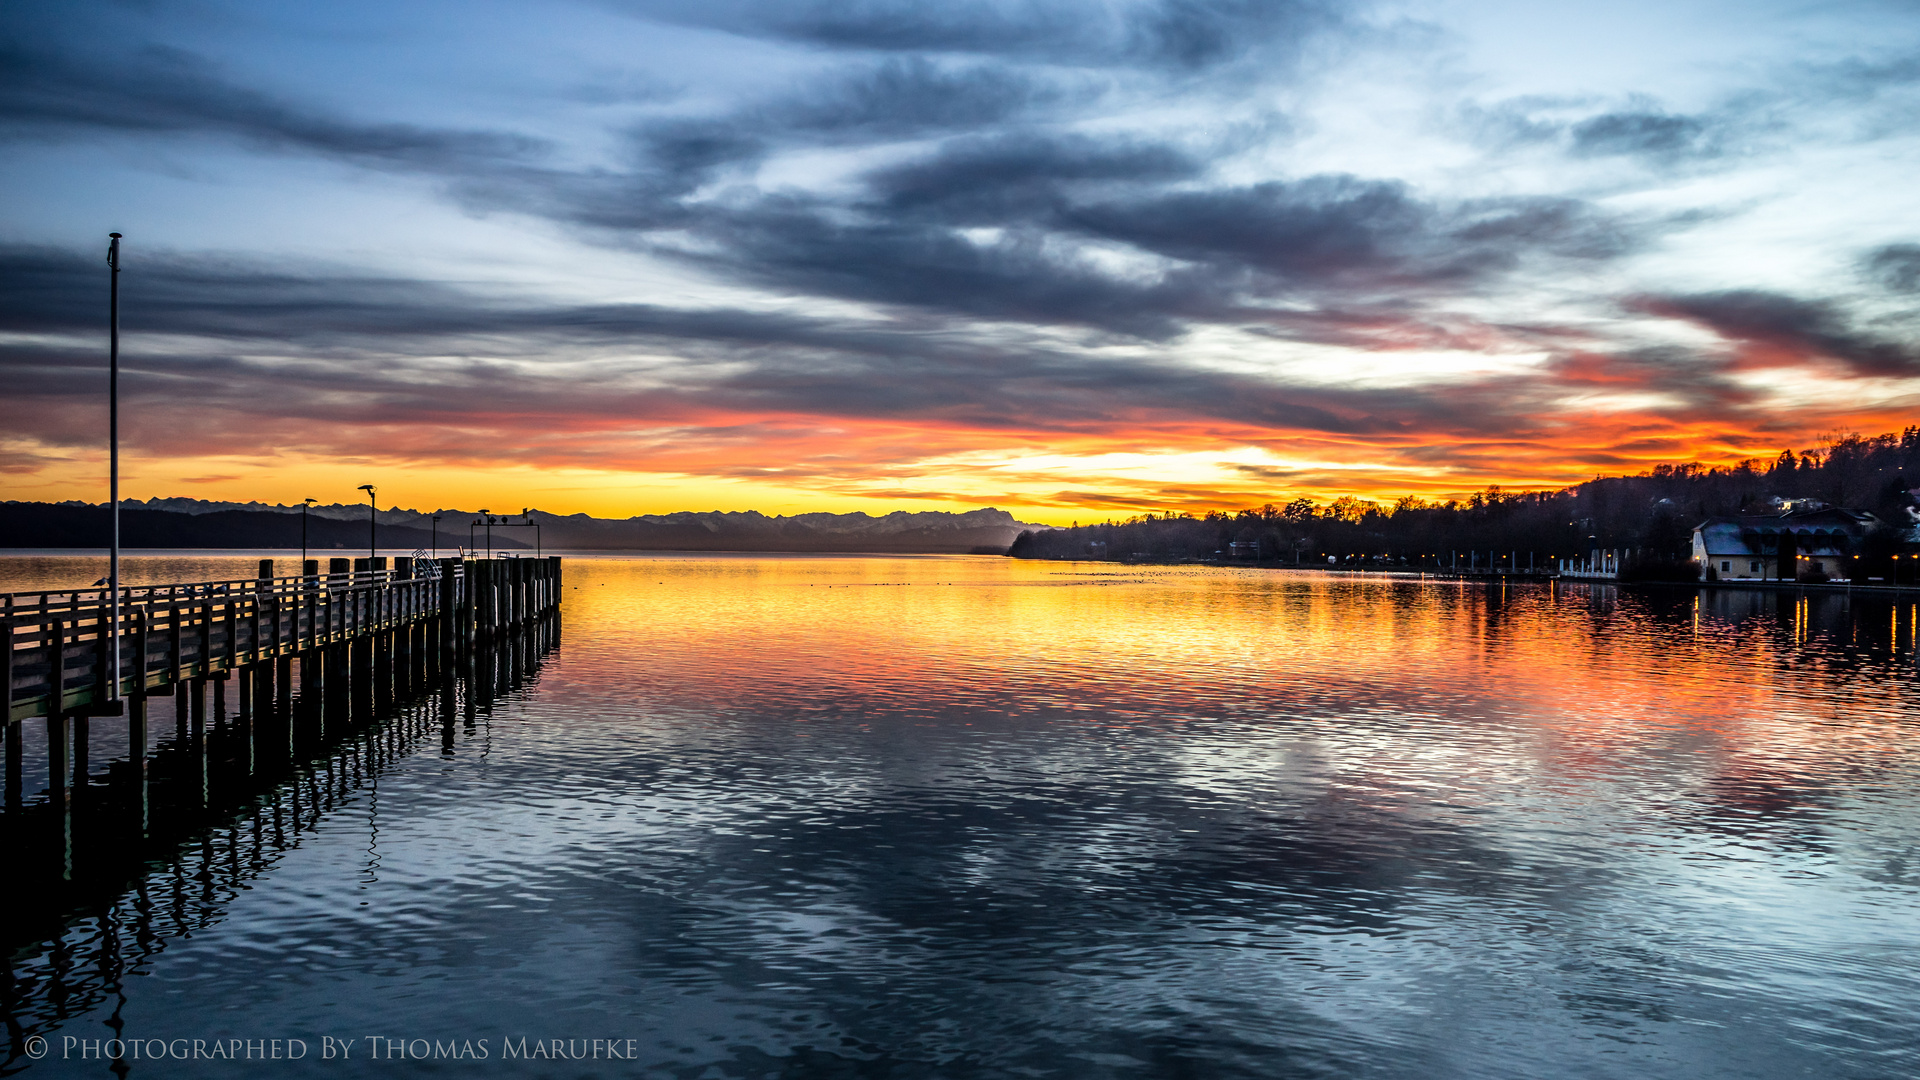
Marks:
<point>58,760</point>
<point>176,645</point>
<point>103,690</point>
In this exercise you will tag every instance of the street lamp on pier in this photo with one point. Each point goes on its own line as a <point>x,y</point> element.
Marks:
<point>372,509</point>
<point>304,503</point>
<point>487,520</point>
<point>526,515</point>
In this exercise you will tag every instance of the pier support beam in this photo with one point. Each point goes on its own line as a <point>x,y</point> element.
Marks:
<point>16,751</point>
<point>59,793</point>
<point>137,758</point>
<point>80,764</point>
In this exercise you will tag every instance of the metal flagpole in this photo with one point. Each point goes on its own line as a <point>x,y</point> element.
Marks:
<point>113,458</point>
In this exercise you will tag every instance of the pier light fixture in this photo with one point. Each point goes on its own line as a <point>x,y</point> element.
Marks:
<point>372,509</point>
<point>304,503</point>
<point>526,515</point>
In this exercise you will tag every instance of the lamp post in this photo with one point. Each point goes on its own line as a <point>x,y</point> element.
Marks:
<point>436,536</point>
<point>113,458</point>
<point>372,508</point>
<point>304,503</point>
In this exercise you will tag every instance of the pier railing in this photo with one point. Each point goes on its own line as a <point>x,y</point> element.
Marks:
<point>58,644</point>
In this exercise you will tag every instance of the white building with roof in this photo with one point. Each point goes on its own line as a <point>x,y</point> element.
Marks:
<point>1817,545</point>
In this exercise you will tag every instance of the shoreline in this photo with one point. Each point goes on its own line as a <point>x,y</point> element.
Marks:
<point>1534,577</point>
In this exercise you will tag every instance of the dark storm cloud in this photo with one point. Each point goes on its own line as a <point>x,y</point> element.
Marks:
<point>1895,267</point>
<point>897,99</point>
<point>1025,227</point>
<point>1175,35</point>
<point>1639,129</point>
<point>1021,177</point>
<point>359,350</point>
<point>1333,230</point>
<point>677,156</point>
<point>1030,223</point>
<point>1700,384</point>
<point>1776,329</point>
<point>166,90</point>
<point>981,26</point>
<point>1205,255</point>
<point>1859,79</point>
<point>1646,134</point>
<point>910,96</point>
<point>1015,277</point>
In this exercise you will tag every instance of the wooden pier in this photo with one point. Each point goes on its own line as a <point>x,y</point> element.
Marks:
<point>362,626</point>
<point>344,676</point>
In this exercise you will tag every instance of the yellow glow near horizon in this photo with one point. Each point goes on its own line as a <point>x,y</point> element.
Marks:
<point>1043,486</point>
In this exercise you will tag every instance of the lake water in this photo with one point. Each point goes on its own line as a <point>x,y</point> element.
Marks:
<point>973,817</point>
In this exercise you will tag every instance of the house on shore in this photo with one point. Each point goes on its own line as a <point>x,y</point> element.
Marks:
<point>1805,545</point>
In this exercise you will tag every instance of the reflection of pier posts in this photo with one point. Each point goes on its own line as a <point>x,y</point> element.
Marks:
<point>449,706</point>
<point>197,737</point>
<point>59,794</point>
<point>137,755</point>
<point>78,751</point>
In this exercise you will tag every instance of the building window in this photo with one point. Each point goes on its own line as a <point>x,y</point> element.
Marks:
<point>1726,566</point>
<point>1753,566</point>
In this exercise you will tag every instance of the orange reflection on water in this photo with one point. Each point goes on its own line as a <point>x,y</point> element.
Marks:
<point>1587,680</point>
<point>1590,672</point>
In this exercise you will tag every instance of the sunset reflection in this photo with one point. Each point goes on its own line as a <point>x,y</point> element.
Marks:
<point>1590,671</point>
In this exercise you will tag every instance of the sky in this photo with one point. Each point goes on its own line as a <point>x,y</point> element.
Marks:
<point>1075,260</point>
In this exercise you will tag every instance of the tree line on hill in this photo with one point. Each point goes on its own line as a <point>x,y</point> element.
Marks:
<point>1653,512</point>
<point>192,523</point>
<point>64,525</point>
